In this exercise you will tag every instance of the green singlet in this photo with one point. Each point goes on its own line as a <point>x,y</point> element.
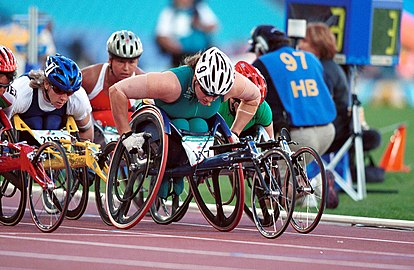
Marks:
<point>263,115</point>
<point>186,112</point>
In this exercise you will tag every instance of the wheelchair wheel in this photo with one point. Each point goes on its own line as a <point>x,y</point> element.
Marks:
<point>13,191</point>
<point>311,189</point>
<point>219,194</point>
<point>134,180</point>
<point>172,209</point>
<point>50,162</point>
<point>100,184</point>
<point>259,135</point>
<point>273,194</point>
<point>79,194</point>
<point>249,174</point>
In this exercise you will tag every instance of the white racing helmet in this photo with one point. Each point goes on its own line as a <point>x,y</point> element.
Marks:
<point>215,72</point>
<point>124,44</point>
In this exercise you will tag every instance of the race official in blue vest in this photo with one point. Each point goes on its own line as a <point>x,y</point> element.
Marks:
<point>297,93</point>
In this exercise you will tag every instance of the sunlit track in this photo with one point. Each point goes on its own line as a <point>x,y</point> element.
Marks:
<point>252,229</point>
<point>204,253</point>
<point>131,233</point>
<point>193,244</point>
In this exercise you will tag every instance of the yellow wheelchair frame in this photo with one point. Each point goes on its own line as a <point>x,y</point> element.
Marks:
<point>85,155</point>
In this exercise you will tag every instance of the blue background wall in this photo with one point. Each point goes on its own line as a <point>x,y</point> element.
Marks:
<point>91,22</point>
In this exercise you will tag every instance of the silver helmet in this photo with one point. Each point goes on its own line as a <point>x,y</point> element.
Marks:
<point>124,44</point>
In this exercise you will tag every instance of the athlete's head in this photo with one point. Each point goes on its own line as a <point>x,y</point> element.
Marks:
<point>8,67</point>
<point>124,49</point>
<point>254,75</point>
<point>124,44</point>
<point>63,78</point>
<point>214,72</point>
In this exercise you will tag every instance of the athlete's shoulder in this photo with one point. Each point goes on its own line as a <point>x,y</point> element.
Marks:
<point>139,71</point>
<point>90,75</point>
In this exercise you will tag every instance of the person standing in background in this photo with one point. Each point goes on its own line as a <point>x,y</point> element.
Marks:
<point>320,41</point>
<point>184,28</point>
<point>296,92</point>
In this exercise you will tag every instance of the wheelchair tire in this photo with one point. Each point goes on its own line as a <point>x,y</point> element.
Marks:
<point>273,195</point>
<point>48,218</point>
<point>13,190</point>
<point>100,184</point>
<point>219,194</point>
<point>173,208</point>
<point>80,189</point>
<point>312,186</point>
<point>134,180</point>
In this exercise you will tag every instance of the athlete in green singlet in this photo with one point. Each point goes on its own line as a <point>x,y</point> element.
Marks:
<point>189,94</point>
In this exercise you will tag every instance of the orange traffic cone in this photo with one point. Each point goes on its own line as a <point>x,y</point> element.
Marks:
<point>393,157</point>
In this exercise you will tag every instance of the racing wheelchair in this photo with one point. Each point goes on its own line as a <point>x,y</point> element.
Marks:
<point>41,172</point>
<point>214,173</point>
<point>89,164</point>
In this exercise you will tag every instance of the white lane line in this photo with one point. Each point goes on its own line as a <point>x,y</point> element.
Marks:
<point>294,259</point>
<point>119,232</point>
<point>106,261</point>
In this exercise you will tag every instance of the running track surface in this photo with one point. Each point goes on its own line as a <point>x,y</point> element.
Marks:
<point>192,243</point>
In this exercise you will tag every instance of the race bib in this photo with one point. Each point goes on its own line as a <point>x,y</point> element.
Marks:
<point>43,136</point>
<point>197,148</point>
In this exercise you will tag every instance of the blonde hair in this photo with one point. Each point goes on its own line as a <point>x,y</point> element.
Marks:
<point>192,60</point>
<point>322,40</point>
<point>37,78</point>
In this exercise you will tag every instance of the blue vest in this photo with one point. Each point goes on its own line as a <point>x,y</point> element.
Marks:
<point>37,119</point>
<point>298,78</point>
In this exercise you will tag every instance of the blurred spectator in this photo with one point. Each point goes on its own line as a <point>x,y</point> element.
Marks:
<point>16,37</point>
<point>184,28</point>
<point>321,42</point>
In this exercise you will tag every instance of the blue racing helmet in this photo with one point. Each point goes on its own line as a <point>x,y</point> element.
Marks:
<point>63,73</point>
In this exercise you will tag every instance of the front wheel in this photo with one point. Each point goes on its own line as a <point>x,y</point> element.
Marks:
<point>52,167</point>
<point>273,193</point>
<point>311,189</point>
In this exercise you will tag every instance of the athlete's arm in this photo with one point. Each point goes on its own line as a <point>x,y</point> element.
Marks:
<point>249,94</point>
<point>154,85</point>
<point>85,127</point>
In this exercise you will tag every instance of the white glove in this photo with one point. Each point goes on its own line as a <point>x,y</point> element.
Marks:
<point>235,137</point>
<point>134,142</point>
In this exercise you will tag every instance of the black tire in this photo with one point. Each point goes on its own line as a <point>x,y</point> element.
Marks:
<point>50,162</point>
<point>311,189</point>
<point>172,209</point>
<point>13,191</point>
<point>273,194</point>
<point>79,194</point>
<point>100,184</point>
<point>220,188</point>
<point>134,180</point>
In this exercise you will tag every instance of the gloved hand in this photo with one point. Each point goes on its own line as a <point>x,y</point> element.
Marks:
<point>235,137</point>
<point>133,142</point>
